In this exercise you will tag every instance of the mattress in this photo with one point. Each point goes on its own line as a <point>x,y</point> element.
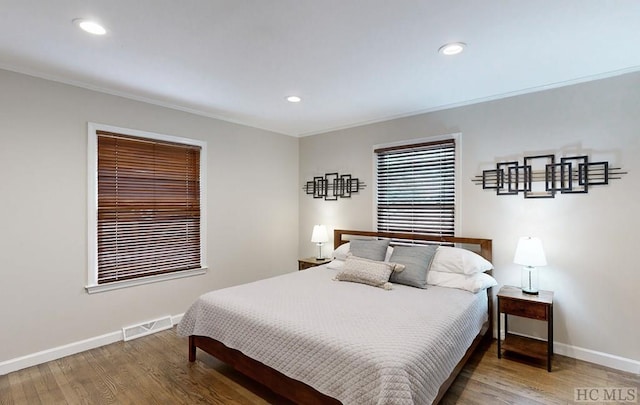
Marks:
<point>356,343</point>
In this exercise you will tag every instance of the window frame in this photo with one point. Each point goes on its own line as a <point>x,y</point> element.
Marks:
<point>457,138</point>
<point>92,285</point>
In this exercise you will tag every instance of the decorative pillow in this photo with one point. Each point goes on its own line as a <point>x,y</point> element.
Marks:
<point>365,271</point>
<point>395,267</point>
<point>457,260</point>
<point>473,282</point>
<point>416,260</point>
<point>372,249</point>
<point>343,250</point>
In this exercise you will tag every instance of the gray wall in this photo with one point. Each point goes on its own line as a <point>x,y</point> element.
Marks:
<point>252,207</point>
<point>589,239</point>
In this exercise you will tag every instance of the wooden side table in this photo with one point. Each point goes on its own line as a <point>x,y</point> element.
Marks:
<point>512,301</point>
<point>309,262</point>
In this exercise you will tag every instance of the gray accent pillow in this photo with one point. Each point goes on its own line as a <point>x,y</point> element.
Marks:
<point>372,249</point>
<point>416,260</point>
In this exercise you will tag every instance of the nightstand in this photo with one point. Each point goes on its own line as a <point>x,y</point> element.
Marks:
<point>512,301</point>
<point>311,262</point>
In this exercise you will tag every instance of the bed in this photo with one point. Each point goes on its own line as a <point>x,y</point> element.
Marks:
<point>314,340</point>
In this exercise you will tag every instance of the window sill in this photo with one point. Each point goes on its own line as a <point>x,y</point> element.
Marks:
<point>98,288</point>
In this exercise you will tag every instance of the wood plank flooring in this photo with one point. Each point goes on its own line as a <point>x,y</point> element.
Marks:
<point>154,370</point>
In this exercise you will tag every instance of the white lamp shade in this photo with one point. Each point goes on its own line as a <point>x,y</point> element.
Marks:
<point>530,252</point>
<point>319,234</point>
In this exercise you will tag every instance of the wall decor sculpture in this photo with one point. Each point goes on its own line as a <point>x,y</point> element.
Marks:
<point>542,176</point>
<point>332,186</point>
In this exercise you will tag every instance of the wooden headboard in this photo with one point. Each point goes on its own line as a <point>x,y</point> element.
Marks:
<point>485,248</point>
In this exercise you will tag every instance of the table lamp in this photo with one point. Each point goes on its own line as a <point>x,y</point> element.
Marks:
<point>530,255</point>
<point>319,236</point>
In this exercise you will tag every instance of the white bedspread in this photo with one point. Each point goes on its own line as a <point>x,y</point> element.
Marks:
<point>357,343</point>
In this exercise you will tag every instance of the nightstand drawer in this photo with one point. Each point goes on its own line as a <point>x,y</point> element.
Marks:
<point>310,262</point>
<point>524,308</point>
<point>304,266</point>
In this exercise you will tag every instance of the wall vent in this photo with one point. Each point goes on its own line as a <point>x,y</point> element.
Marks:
<point>146,328</point>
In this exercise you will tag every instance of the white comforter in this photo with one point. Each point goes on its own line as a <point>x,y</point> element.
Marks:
<point>357,343</point>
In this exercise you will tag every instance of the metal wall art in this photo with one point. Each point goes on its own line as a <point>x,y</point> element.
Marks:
<point>542,176</point>
<point>332,186</point>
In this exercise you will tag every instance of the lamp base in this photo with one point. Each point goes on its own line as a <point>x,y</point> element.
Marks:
<point>319,256</point>
<point>530,280</point>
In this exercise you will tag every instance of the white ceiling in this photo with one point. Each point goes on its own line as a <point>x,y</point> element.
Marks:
<point>352,61</point>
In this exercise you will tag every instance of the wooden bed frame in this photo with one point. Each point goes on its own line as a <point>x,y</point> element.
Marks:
<point>302,393</point>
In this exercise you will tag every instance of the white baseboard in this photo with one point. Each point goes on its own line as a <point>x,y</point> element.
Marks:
<point>603,359</point>
<point>55,353</point>
<point>175,319</point>
<point>591,356</point>
<point>58,352</point>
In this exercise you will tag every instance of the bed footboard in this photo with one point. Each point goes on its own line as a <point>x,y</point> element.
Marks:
<point>277,382</point>
<point>192,349</point>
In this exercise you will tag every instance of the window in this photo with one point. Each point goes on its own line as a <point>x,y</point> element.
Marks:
<point>146,220</point>
<point>416,187</point>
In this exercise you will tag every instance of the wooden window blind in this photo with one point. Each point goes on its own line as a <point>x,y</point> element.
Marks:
<point>416,188</point>
<point>148,207</point>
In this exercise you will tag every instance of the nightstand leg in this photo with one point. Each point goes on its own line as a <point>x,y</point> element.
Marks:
<point>549,338</point>
<point>499,333</point>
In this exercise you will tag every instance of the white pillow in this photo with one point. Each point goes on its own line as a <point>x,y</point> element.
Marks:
<point>457,260</point>
<point>474,282</point>
<point>387,256</point>
<point>343,250</point>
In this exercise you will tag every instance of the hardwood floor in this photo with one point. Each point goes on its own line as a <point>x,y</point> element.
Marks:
<point>154,370</point>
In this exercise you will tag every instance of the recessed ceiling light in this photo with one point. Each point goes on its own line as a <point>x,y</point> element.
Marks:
<point>453,48</point>
<point>89,26</point>
<point>294,99</point>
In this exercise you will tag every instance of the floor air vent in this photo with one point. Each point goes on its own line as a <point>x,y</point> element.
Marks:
<point>146,328</point>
